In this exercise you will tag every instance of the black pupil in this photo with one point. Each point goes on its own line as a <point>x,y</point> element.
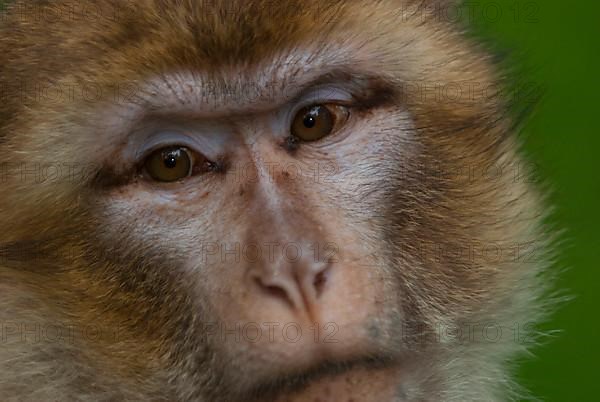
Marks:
<point>310,120</point>
<point>171,159</point>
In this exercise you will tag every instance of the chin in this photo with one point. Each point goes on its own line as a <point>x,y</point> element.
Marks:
<point>347,383</point>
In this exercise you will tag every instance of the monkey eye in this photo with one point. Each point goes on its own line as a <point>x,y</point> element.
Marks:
<point>317,121</point>
<point>169,164</point>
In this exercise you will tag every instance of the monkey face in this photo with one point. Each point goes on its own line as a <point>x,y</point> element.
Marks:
<point>254,211</point>
<point>273,206</point>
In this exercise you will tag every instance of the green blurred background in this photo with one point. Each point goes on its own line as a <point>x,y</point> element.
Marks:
<point>556,44</point>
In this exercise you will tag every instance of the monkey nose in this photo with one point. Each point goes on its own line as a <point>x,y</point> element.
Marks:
<point>298,284</point>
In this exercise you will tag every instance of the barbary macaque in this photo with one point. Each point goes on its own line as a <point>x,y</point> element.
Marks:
<point>259,201</point>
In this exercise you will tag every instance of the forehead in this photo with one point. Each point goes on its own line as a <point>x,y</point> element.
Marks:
<point>216,33</point>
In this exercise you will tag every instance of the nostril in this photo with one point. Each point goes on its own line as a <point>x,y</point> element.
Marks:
<point>274,291</point>
<point>320,281</point>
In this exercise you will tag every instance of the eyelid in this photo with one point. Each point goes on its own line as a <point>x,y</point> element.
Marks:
<point>324,95</point>
<point>164,139</point>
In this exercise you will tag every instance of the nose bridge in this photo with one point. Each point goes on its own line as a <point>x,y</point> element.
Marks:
<point>287,268</point>
<point>274,197</point>
<point>286,234</point>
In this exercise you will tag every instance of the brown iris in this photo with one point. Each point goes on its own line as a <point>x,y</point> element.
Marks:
<point>315,122</point>
<point>169,164</point>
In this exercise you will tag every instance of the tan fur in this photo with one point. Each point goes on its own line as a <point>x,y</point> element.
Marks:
<point>411,234</point>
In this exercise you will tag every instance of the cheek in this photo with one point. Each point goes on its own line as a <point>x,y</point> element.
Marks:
<point>156,223</point>
<point>358,175</point>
